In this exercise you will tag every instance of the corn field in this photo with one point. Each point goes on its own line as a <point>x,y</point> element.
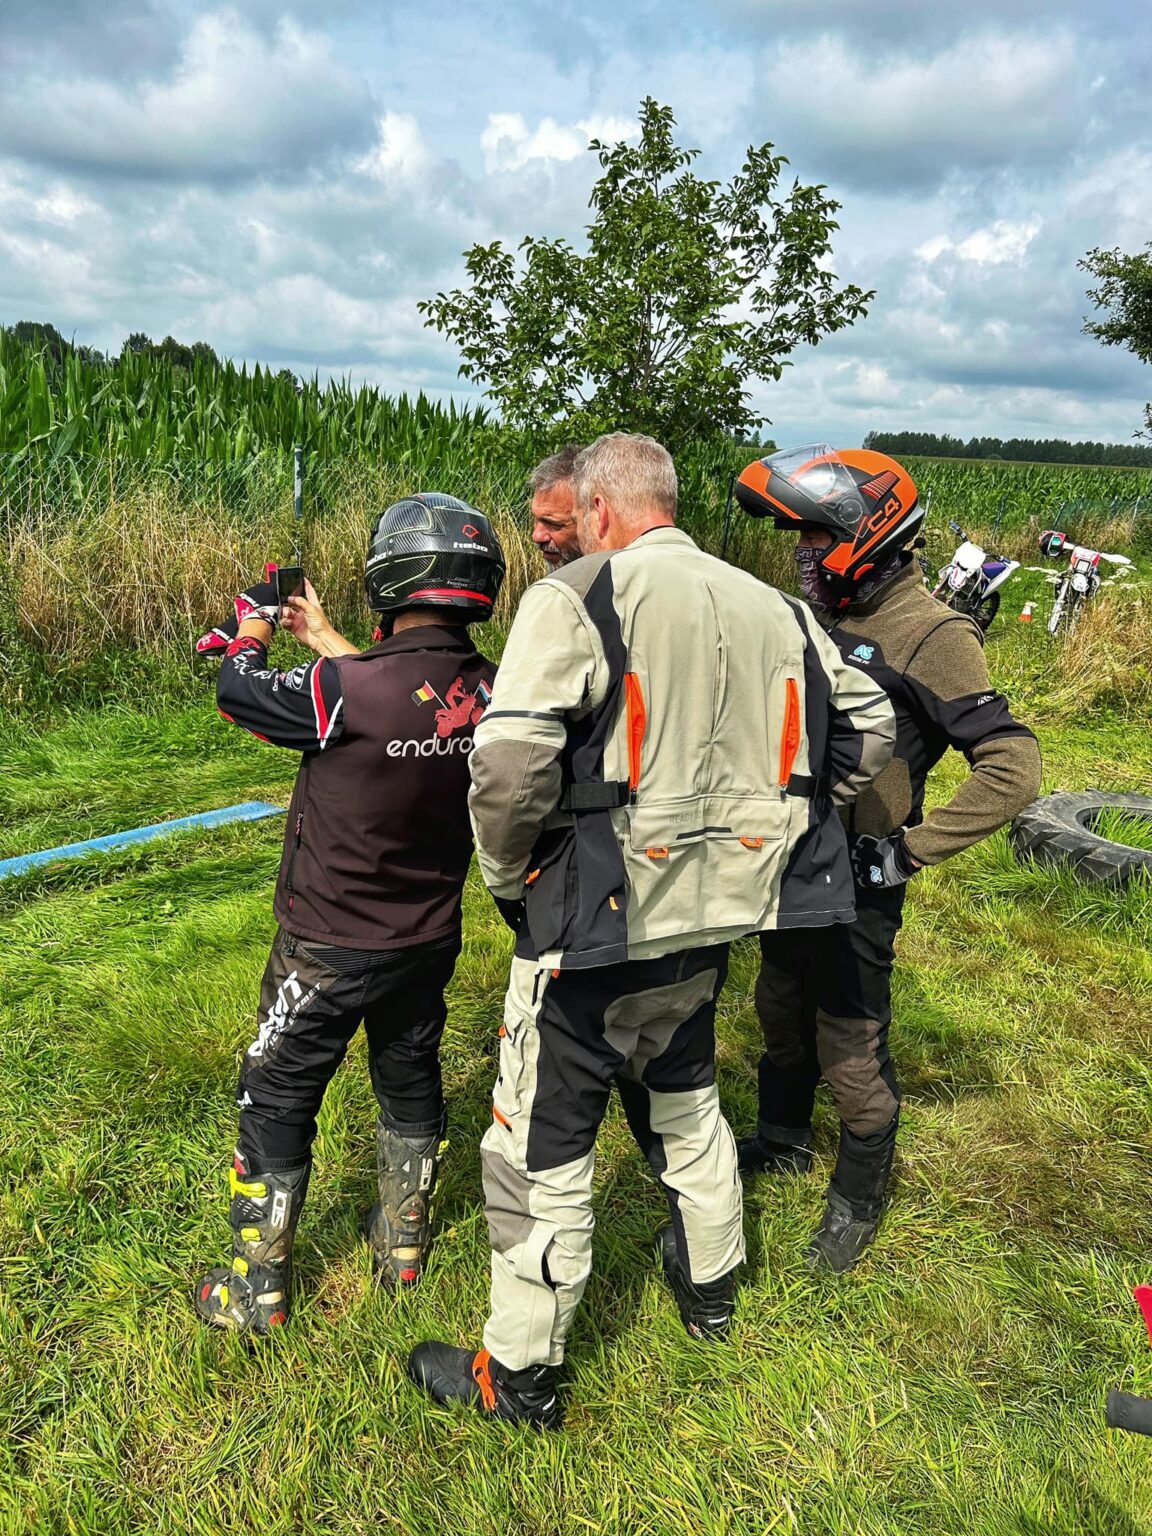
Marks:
<point>982,493</point>
<point>137,496</point>
<point>143,408</point>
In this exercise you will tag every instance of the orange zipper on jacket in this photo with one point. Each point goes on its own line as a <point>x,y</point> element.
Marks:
<point>790,735</point>
<point>637,725</point>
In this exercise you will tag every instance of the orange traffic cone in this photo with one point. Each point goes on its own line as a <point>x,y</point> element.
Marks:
<point>1026,613</point>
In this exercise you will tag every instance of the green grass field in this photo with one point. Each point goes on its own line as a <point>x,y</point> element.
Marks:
<point>955,1383</point>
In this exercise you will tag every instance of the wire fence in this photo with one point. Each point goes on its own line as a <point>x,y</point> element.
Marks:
<point>101,554</point>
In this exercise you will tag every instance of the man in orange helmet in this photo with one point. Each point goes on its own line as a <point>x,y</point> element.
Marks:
<point>823,994</point>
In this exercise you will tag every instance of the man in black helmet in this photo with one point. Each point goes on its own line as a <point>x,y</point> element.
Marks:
<point>368,897</point>
<point>823,994</point>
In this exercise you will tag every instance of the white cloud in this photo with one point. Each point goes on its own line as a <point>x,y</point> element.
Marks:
<point>979,101</point>
<point>237,103</point>
<point>400,153</point>
<point>509,145</point>
<point>1004,241</point>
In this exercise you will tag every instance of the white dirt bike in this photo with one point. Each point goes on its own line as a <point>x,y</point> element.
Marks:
<point>1080,581</point>
<point>971,581</point>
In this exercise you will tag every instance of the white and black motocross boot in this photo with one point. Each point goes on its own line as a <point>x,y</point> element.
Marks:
<point>399,1225</point>
<point>251,1296</point>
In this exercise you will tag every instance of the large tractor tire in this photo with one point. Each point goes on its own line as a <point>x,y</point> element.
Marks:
<point>1058,829</point>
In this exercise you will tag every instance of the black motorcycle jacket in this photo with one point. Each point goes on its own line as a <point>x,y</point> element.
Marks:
<point>377,841</point>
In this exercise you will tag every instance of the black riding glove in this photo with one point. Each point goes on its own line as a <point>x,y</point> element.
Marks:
<point>260,600</point>
<point>878,863</point>
<point>511,911</point>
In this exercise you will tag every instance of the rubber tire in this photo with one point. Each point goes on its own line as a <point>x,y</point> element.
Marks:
<point>1055,830</point>
<point>987,611</point>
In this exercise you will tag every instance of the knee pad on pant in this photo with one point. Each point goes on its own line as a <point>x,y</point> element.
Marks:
<point>787,1043</point>
<point>854,1063</point>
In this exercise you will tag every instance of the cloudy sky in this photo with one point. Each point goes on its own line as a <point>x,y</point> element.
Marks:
<point>285,180</point>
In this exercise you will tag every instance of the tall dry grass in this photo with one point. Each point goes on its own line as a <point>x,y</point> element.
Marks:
<point>150,571</point>
<point>1107,662</point>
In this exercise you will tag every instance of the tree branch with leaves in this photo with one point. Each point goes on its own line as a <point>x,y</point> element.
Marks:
<point>1125,295</point>
<point>688,291</point>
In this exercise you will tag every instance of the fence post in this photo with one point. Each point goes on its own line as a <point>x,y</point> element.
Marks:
<point>727,525</point>
<point>298,496</point>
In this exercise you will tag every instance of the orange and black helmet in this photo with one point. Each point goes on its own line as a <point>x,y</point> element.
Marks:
<point>865,500</point>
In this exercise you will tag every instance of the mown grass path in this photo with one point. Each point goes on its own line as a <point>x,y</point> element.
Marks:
<point>955,1383</point>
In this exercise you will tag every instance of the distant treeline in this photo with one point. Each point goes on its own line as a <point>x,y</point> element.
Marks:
<point>43,337</point>
<point>1031,450</point>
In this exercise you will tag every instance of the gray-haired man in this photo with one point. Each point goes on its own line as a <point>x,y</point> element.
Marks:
<point>657,774</point>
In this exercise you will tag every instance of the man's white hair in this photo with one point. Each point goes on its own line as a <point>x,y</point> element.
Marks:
<point>633,473</point>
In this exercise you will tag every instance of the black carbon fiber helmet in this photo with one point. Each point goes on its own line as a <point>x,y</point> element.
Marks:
<point>434,551</point>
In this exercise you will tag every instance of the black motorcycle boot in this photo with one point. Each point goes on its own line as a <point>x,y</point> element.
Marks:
<point>705,1308</point>
<point>399,1225</point>
<point>452,1375</point>
<point>857,1195</point>
<point>775,1149</point>
<point>251,1295</point>
<point>841,1237</point>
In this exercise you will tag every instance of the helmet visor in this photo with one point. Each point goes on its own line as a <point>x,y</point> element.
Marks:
<point>820,480</point>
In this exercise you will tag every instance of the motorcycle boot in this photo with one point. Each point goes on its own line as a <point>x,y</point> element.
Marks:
<point>777,1149</point>
<point>399,1225</point>
<point>857,1196</point>
<point>251,1295</point>
<point>451,1375</point>
<point>705,1308</point>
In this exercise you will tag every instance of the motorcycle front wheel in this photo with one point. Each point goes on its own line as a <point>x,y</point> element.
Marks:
<point>986,611</point>
<point>1072,612</point>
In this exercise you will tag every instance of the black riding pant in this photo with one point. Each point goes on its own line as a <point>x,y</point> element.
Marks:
<point>312,1000</point>
<point>823,997</point>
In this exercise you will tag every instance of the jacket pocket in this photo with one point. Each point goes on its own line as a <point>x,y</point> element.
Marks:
<point>791,732</point>
<point>702,864</point>
<point>552,894</point>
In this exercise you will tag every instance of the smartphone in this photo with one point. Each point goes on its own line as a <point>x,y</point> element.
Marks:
<point>289,582</point>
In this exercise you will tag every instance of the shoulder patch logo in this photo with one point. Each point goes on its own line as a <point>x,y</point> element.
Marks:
<point>864,652</point>
<point>985,698</point>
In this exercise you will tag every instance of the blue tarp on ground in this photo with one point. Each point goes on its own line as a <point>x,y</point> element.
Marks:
<point>251,810</point>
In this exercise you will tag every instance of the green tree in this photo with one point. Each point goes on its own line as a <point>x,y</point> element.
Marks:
<point>688,290</point>
<point>42,336</point>
<point>1125,296</point>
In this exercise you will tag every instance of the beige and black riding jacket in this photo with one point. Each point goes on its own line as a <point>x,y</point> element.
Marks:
<point>663,756</point>
<point>930,662</point>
